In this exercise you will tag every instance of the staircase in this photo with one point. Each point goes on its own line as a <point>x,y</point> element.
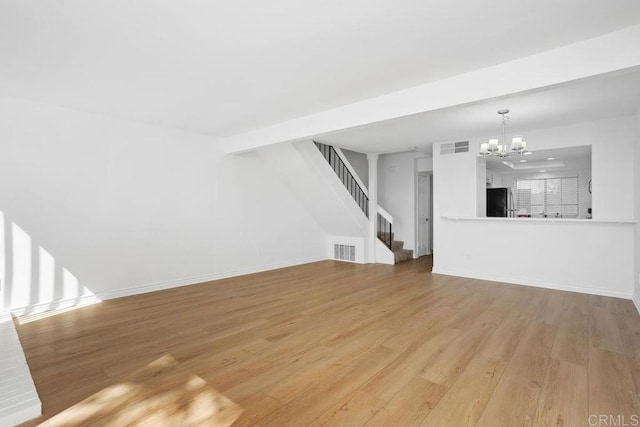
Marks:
<point>359,194</point>
<point>397,247</point>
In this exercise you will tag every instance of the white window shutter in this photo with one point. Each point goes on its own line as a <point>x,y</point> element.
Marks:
<point>550,196</point>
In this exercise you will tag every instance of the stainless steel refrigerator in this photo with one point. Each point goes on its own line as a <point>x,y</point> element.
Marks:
<point>499,202</point>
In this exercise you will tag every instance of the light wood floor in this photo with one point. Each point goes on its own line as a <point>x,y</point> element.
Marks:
<point>332,343</point>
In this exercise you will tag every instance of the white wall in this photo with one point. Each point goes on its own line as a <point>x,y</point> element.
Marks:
<point>636,170</point>
<point>481,187</point>
<point>424,164</point>
<point>96,205</point>
<point>612,171</point>
<point>360,164</point>
<point>584,256</point>
<point>396,191</point>
<point>304,171</point>
<point>588,256</point>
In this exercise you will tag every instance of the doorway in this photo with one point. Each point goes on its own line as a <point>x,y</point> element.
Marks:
<point>424,230</point>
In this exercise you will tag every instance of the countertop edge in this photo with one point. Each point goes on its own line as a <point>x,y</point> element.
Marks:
<point>547,220</point>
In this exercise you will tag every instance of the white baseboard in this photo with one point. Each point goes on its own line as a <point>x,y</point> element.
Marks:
<point>60,304</point>
<point>26,409</point>
<point>152,287</point>
<point>538,284</point>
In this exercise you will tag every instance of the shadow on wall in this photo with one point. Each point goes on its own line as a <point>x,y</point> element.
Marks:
<point>32,281</point>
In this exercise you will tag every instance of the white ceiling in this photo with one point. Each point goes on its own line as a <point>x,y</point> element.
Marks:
<point>604,96</point>
<point>227,67</point>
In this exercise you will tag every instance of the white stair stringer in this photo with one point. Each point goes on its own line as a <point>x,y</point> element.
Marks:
<point>384,255</point>
<point>305,173</point>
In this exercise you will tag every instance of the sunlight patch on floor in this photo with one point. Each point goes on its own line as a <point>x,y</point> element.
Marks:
<point>160,394</point>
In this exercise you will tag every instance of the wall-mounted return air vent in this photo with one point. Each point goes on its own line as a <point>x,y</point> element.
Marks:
<point>344,252</point>
<point>455,147</point>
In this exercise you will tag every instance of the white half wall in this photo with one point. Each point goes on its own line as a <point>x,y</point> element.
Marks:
<point>590,257</point>
<point>96,206</point>
<point>357,242</point>
<point>585,256</point>
<point>384,254</point>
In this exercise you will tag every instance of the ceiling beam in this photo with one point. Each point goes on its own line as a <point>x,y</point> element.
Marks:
<point>611,52</point>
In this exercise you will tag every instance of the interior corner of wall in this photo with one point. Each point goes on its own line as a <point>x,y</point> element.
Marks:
<point>636,297</point>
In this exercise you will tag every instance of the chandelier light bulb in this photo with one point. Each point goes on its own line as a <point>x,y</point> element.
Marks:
<point>516,143</point>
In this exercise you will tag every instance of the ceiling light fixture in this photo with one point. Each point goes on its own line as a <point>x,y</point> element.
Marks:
<point>494,147</point>
<point>551,158</point>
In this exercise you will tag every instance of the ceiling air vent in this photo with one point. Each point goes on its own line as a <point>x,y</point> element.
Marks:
<point>344,252</point>
<point>454,147</point>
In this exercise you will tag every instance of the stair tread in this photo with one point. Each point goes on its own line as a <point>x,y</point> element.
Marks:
<point>401,255</point>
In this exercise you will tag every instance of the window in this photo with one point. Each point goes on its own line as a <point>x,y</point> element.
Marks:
<point>547,196</point>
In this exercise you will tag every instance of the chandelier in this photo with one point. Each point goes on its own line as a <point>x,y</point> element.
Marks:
<point>495,147</point>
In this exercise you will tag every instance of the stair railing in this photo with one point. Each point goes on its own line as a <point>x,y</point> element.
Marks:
<point>345,175</point>
<point>385,232</point>
<point>384,219</point>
